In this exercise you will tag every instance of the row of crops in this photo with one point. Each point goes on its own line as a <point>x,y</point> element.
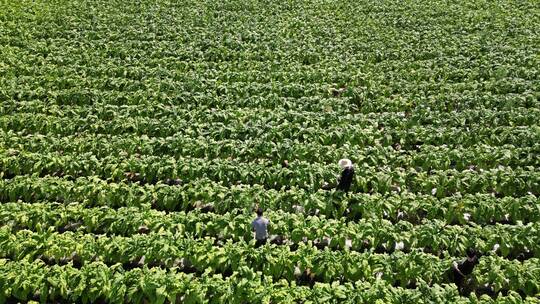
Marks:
<point>136,139</point>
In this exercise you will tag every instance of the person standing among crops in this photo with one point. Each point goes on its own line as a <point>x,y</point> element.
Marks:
<point>260,226</point>
<point>347,175</point>
<point>462,270</point>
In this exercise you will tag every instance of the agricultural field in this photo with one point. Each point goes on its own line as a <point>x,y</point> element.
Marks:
<point>137,137</point>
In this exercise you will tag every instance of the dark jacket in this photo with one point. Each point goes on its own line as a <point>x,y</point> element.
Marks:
<point>346,179</point>
<point>463,269</point>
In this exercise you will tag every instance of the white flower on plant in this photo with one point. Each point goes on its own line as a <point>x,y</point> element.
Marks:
<point>433,191</point>
<point>399,245</point>
<point>496,247</point>
<point>467,216</point>
<point>298,208</point>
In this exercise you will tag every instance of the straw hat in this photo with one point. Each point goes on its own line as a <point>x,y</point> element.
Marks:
<point>344,163</point>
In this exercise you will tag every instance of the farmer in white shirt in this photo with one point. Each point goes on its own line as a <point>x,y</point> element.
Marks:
<point>260,226</point>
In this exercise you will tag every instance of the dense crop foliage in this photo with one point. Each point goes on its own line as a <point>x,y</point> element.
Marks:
<point>136,137</point>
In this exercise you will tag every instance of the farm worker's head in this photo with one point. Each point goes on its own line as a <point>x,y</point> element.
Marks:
<point>345,163</point>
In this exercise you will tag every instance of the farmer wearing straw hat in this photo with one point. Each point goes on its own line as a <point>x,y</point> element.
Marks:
<point>344,182</point>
